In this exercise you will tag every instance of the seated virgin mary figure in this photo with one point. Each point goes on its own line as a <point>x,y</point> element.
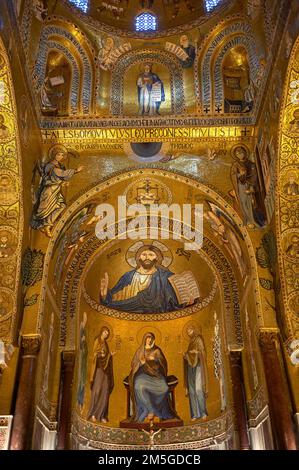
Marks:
<point>148,383</point>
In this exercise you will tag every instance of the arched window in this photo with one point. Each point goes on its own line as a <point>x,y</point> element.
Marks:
<point>81,4</point>
<point>146,22</point>
<point>211,4</point>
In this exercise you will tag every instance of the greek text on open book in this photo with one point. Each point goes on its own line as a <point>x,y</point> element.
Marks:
<point>185,287</point>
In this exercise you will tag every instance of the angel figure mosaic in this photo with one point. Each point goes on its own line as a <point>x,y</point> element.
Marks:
<point>49,200</point>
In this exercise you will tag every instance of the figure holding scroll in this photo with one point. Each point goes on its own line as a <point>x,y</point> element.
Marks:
<point>189,49</point>
<point>151,287</point>
<point>150,92</point>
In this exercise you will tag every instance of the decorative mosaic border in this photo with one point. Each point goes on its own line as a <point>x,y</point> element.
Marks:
<point>25,28</point>
<point>287,207</point>
<point>47,123</point>
<point>11,205</point>
<point>213,430</point>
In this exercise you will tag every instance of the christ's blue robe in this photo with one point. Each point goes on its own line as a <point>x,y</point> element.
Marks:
<point>158,297</point>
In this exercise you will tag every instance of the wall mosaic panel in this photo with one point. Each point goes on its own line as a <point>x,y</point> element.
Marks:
<point>288,192</point>
<point>26,26</point>
<point>147,56</point>
<point>69,305</point>
<point>253,63</point>
<point>11,209</point>
<point>40,71</point>
<point>233,29</point>
<point>87,78</point>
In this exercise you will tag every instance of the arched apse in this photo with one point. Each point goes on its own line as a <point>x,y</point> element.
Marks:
<point>79,54</point>
<point>213,50</point>
<point>68,293</point>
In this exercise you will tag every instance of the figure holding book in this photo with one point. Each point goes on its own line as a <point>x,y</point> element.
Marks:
<point>196,374</point>
<point>151,287</point>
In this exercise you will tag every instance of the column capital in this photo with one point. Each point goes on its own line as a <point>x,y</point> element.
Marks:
<point>30,344</point>
<point>68,359</point>
<point>269,339</point>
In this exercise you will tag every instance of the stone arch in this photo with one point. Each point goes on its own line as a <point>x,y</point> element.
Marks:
<point>40,70</point>
<point>55,31</point>
<point>240,28</point>
<point>11,205</point>
<point>253,65</point>
<point>67,307</point>
<point>109,182</point>
<point>131,58</point>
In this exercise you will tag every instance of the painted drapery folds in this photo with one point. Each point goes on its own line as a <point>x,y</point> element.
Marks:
<point>150,92</point>
<point>150,288</point>
<point>196,375</point>
<point>101,378</point>
<point>148,382</point>
<point>49,200</point>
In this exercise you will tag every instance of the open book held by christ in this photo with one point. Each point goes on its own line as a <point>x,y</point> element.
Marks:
<point>185,286</point>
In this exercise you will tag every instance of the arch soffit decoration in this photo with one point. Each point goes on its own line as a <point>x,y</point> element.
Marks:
<point>82,200</point>
<point>61,31</point>
<point>56,46</point>
<point>234,41</point>
<point>152,56</point>
<point>212,47</point>
<point>11,204</point>
<point>287,207</point>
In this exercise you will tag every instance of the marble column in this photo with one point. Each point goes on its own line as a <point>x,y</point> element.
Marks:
<point>239,399</point>
<point>67,373</point>
<point>279,400</point>
<point>30,345</point>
